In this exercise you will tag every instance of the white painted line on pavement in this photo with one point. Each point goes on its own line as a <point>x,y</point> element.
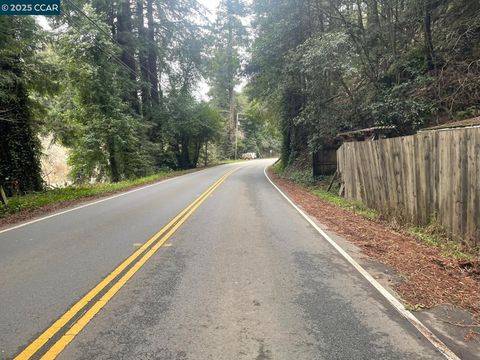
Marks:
<point>83,206</point>
<point>95,202</point>
<point>449,354</point>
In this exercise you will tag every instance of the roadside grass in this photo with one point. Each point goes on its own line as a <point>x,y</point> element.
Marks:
<point>353,206</point>
<point>318,187</point>
<point>40,199</point>
<point>431,234</point>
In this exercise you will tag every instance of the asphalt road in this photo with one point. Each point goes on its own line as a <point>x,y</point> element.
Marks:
<point>244,277</point>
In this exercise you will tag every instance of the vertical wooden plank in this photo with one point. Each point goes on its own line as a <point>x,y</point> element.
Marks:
<point>370,175</point>
<point>420,184</point>
<point>377,184</point>
<point>399,179</point>
<point>390,166</point>
<point>432,180</point>
<point>465,140</point>
<point>452,188</point>
<point>358,184</point>
<point>473,187</point>
<point>443,175</point>
<point>352,171</point>
<point>409,165</point>
<point>453,194</point>
<point>475,213</point>
<point>440,176</point>
<point>457,201</point>
<point>359,169</point>
<point>417,186</point>
<point>404,173</point>
<point>435,170</point>
<point>340,163</point>
<point>349,163</point>
<point>414,165</point>
<point>364,173</point>
<point>385,165</point>
<point>377,151</point>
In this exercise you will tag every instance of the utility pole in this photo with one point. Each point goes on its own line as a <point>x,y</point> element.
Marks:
<point>206,153</point>
<point>236,137</point>
<point>237,122</point>
<point>235,128</point>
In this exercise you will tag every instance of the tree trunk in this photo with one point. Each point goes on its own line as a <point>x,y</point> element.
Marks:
<point>360,15</point>
<point>373,20</point>
<point>196,155</point>
<point>231,89</point>
<point>152,55</point>
<point>126,41</point>
<point>185,154</point>
<point>112,159</point>
<point>143,61</point>
<point>427,29</point>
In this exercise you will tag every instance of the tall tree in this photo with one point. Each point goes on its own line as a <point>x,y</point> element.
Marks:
<point>108,139</point>
<point>230,38</point>
<point>143,59</point>
<point>125,38</point>
<point>19,147</point>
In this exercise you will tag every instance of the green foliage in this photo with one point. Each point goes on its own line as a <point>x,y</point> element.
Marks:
<point>114,82</point>
<point>229,36</point>
<point>107,141</point>
<point>434,235</point>
<point>394,107</point>
<point>113,134</point>
<point>193,125</point>
<point>258,124</point>
<point>353,206</point>
<point>340,65</point>
<point>19,147</point>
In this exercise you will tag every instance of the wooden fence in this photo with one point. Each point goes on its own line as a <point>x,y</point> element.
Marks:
<point>433,174</point>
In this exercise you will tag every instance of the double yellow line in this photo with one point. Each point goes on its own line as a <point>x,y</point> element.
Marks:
<point>91,304</point>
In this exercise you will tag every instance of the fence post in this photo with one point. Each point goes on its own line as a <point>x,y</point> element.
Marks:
<point>3,196</point>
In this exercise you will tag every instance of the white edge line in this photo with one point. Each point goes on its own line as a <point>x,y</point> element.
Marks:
<point>439,345</point>
<point>96,202</point>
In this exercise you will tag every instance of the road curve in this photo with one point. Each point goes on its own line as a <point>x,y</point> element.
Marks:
<point>244,277</point>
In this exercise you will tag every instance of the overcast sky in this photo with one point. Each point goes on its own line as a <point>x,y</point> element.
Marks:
<point>211,5</point>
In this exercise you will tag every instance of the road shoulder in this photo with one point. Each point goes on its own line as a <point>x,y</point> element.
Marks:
<point>417,274</point>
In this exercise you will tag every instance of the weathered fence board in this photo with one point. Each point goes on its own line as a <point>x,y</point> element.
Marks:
<point>433,174</point>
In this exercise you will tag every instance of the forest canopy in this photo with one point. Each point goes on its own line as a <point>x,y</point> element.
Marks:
<point>116,82</point>
<point>335,65</point>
